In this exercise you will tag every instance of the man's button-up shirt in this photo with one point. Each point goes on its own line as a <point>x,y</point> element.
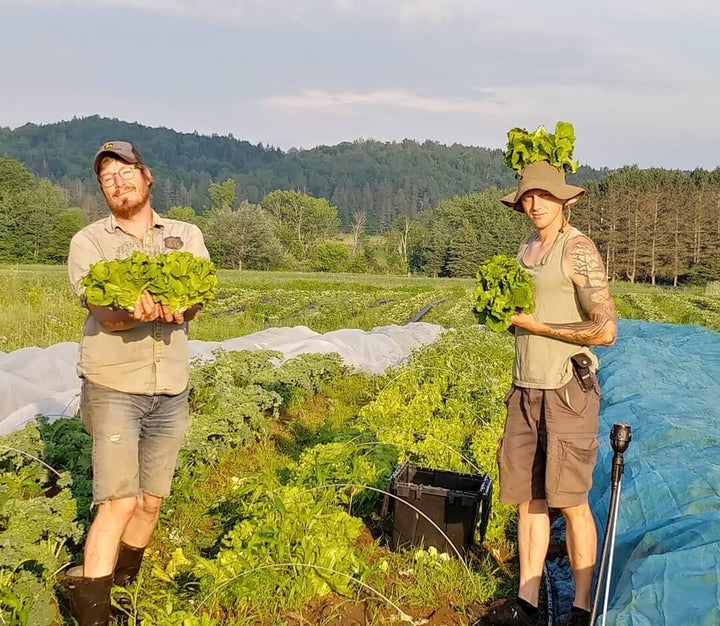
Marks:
<point>152,357</point>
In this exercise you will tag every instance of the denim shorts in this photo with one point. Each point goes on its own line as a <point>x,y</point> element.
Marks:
<point>549,445</point>
<point>136,440</point>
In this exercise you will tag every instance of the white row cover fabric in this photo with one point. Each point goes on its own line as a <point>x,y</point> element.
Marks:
<point>43,381</point>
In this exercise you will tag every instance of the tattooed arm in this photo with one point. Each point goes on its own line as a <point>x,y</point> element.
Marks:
<point>585,268</point>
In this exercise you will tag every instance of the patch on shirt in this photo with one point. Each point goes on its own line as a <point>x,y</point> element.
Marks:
<point>173,243</point>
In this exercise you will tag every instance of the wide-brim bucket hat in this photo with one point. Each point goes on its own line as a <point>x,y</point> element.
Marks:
<point>541,175</point>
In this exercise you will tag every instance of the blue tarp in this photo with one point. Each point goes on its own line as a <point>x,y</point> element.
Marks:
<point>664,381</point>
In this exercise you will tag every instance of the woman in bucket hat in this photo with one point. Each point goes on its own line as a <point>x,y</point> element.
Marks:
<point>541,175</point>
<point>549,445</point>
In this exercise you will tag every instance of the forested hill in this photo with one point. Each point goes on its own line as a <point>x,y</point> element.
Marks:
<point>383,180</point>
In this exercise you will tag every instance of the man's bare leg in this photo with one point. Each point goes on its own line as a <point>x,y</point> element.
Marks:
<point>143,521</point>
<point>533,542</point>
<point>582,550</point>
<point>103,538</point>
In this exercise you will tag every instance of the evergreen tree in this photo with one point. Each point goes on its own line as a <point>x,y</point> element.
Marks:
<point>463,253</point>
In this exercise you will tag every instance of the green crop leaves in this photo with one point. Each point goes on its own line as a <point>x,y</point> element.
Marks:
<point>181,280</point>
<point>280,529</point>
<point>176,279</point>
<point>524,148</point>
<point>37,532</point>
<point>355,464</point>
<point>503,289</point>
<point>118,283</point>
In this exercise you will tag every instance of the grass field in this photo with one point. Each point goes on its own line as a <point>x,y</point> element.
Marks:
<point>40,309</point>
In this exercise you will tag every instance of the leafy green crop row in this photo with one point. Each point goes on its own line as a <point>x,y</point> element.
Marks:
<point>42,311</point>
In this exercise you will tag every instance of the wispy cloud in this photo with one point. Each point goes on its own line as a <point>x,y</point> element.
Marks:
<point>412,10</point>
<point>645,11</point>
<point>211,10</point>
<point>345,102</point>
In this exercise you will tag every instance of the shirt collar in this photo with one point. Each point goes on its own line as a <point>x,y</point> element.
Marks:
<point>111,222</point>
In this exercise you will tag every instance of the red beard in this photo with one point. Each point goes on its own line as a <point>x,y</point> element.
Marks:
<point>126,205</point>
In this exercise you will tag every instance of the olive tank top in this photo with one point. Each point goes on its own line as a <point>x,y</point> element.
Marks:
<point>544,362</point>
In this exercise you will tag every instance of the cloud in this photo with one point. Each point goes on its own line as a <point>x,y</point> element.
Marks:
<point>345,102</point>
<point>412,10</point>
<point>697,11</point>
<point>211,10</point>
<point>636,78</point>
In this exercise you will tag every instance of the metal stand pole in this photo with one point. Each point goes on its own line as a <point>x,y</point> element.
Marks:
<point>620,437</point>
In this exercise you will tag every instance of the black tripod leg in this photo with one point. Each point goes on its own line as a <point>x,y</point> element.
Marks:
<point>609,531</point>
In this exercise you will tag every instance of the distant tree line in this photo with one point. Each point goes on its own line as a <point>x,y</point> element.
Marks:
<point>383,181</point>
<point>656,226</point>
<point>653,226</point>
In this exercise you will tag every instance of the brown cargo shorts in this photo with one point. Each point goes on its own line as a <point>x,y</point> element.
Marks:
<point>549,446</point>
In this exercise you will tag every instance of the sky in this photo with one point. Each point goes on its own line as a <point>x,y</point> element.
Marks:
<point>638,79</point>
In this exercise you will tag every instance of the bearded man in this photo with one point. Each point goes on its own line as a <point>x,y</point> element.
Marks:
<point>134,370</point>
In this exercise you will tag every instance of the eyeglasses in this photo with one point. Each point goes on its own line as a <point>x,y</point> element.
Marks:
<point>126,173</point>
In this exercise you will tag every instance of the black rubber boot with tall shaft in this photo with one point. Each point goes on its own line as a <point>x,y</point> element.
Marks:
<point>89,597</point>
<point>127,565</point>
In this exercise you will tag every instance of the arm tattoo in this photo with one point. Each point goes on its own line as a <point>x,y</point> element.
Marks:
<point>588,273</point>
<point>586,263</point>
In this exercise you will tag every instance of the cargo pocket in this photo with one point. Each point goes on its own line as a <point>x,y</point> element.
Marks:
<point>576,464</point>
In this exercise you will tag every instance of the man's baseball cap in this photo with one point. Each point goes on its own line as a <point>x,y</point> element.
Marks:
<point>122,150</point>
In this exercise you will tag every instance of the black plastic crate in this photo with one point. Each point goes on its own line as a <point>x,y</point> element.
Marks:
<point>455,502</point>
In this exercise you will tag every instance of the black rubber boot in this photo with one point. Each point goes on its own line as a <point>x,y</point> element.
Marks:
<point>89,597</point>
<point>127,565</point>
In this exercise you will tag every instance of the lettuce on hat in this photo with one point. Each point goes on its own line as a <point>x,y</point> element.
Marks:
<point>541,160</point>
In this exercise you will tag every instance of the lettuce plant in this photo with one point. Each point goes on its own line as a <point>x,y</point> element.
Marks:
<point>176,279</point>
<point>524,148</point>
<point>503,289</point>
